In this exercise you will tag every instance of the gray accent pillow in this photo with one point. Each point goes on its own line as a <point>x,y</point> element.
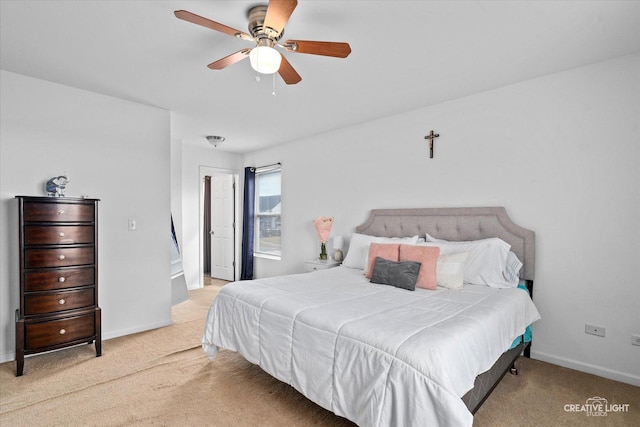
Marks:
<point>399,274</point>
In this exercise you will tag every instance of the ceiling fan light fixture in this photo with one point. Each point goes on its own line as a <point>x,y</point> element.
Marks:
<point>265,59</point>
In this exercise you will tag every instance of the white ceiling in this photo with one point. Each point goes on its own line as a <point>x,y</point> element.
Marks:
<point>405,55</point>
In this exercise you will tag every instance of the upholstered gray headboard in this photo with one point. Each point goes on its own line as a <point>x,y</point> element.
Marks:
<point>455,224</point>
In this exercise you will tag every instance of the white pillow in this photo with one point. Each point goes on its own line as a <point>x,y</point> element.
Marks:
<point>512,269</point>
<point>358,252</point>
<point>450,270</point>
<point>489,262</point>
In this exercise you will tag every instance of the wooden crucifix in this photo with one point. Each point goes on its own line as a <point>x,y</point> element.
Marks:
<point>431,137</point>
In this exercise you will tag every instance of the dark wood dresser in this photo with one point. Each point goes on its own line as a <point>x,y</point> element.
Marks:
<point>58,240</point>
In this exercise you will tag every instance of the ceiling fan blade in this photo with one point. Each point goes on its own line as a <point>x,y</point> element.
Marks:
<point>288,74</point>
<point>278,13</point>
<point>230,59</point>
<point>208,23</point>
<point>336,49</point>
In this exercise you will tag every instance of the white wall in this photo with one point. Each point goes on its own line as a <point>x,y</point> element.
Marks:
<point>561,153</point>
<point>194,160</point>
<point>114,150</point>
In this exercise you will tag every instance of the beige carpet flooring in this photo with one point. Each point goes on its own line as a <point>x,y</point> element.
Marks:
<point>163,378</point>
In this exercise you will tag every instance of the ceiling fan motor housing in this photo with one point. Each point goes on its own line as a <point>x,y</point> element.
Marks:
<point>256,16</point>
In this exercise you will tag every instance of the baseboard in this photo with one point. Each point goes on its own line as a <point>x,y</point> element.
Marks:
<point>135,330</point>
<point>622,377</point>
<point>8,357</point>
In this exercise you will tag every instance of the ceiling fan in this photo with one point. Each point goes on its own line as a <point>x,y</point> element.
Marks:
<point>266,27</point>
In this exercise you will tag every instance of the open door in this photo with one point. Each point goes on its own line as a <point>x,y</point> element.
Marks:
<point>222,227</point>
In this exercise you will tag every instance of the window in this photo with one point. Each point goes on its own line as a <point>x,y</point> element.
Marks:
<point>267,213</point>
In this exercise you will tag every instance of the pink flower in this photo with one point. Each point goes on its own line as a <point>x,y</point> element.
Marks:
<point>323,227</point>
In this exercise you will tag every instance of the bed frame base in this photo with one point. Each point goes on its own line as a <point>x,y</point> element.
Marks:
<point>487,381</point>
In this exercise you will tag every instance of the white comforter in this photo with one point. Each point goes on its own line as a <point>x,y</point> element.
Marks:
<point>375,354</point>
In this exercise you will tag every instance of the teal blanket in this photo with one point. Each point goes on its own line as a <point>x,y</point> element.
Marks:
<point>527,332</point>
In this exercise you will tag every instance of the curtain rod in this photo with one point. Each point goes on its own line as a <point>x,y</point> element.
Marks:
<point>266,167</point>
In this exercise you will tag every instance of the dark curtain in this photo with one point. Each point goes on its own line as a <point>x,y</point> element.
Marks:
<point>206,253</point>
<point>248,223</point>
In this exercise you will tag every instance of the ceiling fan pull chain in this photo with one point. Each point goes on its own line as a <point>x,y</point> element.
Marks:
<point>274,85</point>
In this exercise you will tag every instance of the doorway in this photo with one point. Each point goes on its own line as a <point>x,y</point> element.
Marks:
<point>218,230</point>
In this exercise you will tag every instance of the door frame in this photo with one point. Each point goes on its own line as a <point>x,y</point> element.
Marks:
<point>204,171</point>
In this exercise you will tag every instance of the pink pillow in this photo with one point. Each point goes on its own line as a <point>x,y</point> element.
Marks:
<point>390,251</point>
<point>428,257</point>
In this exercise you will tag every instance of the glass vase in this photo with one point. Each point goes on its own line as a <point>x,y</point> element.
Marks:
<point>323,251</point>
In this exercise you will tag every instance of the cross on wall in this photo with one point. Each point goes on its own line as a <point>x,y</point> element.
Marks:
<point>431,137</point>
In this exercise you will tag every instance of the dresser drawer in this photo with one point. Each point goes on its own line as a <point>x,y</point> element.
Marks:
<point>63,212</point>
<point>40,335</point>
<point>59,279</point>
<point>58,301</point>
<point>58,257</point>
<point>58,235</point>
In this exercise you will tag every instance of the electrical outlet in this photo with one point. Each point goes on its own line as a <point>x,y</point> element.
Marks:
<point>132,224</point>
<point>594,330</point>
<point>635,339</point>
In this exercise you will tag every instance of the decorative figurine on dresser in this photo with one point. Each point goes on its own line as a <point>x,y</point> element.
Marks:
<point>55,186</point>
<point>58,240</point>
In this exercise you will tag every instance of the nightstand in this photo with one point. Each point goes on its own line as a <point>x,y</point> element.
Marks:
<point>320,264</point>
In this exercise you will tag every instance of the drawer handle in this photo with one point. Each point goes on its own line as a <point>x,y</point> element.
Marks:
<point>62,331</point>
<point>61,279</point>
<point>60,212</point>
<point>61,234</point>
<point>61,257</point>
<point>62,301</point>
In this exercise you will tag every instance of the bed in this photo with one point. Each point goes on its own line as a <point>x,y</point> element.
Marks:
<point>375,354</point>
